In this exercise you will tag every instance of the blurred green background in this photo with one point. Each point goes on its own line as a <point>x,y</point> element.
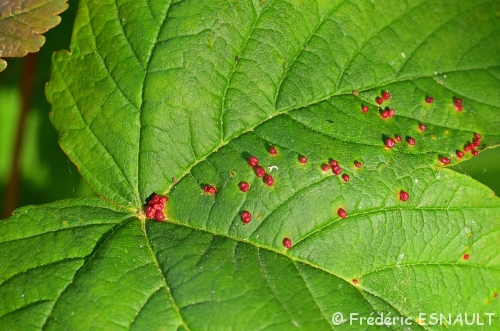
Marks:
<point>44,173</point>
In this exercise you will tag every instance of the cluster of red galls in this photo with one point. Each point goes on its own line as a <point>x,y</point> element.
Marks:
<point>246,216</point>
<point>391,142</point>
<point>388,113</point>
<point>260,172</point>
<point>336,169</point>
<point>155,206</point>
<point>476,142</point>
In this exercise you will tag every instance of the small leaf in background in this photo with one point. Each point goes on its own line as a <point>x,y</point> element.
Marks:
<point>23,22</point>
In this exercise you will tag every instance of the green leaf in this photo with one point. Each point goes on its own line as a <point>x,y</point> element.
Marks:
<point>23,22</point>
<point>170,97</point>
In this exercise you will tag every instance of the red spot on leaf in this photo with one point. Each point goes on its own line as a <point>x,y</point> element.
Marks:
<point>287,243</point>
<point>210,189</point>
<point>269,180</point>
<point>253,162</point>
<point>246,217</point>
<point>444,160</point>
<point>389,143</point>
<point>244,186</point>
<point>259,171</point>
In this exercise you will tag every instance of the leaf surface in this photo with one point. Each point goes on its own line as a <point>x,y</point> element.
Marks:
<point>171,97</point>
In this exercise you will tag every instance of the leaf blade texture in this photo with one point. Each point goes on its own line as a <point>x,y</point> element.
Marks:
<point>170,97</point>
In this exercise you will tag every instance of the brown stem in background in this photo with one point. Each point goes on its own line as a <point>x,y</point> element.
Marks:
<point>27,86</point>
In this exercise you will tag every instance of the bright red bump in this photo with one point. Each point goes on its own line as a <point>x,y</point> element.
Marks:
<point>495,295</point>
<point>459,107</point>
<point>444,160</point>
<point>336,170</point>
<point>272,150</point>
<point>404,196</point>
<point>379,100</point>
<point>386,95</point>
<point>422,127</point>
<point>154,199</point>
<point>287,243</point>
<point>385,114</point>
<point>345,177</point>
<point>398,138</point>
<point>355,281</point>
<point>391,113</point>
<point>476,143</point>
<point>246,217</point>
<point>429,99</point>
<point>460,154</point>
<point>475,153</point>
<point>477,136</point>
<point>341,212</point>
<point>303,159</point>
<point>210,189</point>
<point>244,186</point>
<point>269,180</point>
<point>357,164</point>
<point>159,216</point>
<point>333,163</point>
<point>389,143</point>
<point>411,141</point>
<point>259,171</point>
<point>325,167</point>
<point>253,162</point>
<point>466,256</point>
<point>150,212</point>
<point>467,148</point>
<point>364,109</point>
